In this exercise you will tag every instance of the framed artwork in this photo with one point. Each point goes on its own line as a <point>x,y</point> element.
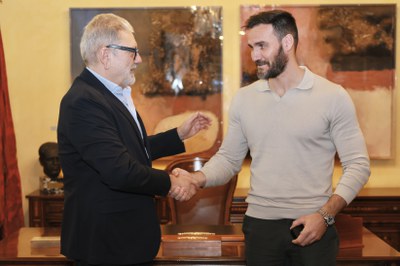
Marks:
<point>354,46</point>
<point>181,72</point>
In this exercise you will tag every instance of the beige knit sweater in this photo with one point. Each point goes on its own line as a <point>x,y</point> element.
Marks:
<point>292,141</point>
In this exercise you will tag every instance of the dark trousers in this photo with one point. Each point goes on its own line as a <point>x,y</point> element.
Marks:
<point>84,263</point>
<point>269,242</point>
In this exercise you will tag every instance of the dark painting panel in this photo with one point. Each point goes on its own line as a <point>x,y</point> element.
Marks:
<point>181,72</point>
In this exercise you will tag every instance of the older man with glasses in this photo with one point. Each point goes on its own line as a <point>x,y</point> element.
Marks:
<point>109,185</point>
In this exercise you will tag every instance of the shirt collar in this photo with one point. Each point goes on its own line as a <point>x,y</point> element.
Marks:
<point>306,83</point>
<point>111,86</point>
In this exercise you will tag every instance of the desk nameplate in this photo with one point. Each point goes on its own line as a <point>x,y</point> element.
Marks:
<point>202,241</point>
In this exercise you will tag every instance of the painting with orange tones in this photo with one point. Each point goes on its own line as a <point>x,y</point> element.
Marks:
<point>352,45</point>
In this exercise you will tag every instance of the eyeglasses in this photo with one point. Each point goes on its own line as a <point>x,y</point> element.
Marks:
<point>124,48</point>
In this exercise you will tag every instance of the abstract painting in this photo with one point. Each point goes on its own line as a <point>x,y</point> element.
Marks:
<point>354,46</point>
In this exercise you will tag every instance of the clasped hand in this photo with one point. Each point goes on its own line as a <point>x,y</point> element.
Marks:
<point>183,185</point>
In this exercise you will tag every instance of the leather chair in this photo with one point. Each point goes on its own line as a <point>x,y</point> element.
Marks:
<point>210,206</point>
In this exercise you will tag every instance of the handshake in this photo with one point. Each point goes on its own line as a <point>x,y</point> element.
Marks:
<point>184,185</point>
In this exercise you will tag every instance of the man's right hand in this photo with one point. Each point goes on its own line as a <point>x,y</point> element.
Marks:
<point>183,185</point>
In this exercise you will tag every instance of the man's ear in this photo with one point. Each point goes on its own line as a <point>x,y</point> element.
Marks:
<point>288,42</point>
<point>103,55</point>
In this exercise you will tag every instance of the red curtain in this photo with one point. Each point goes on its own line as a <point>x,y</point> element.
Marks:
<point>11,214</point>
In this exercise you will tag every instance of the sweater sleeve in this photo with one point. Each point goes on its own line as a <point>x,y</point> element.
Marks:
<point>227,162</point>
<point>351,148</point>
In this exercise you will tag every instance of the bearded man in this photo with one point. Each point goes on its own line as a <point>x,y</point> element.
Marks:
<point>293,122</point>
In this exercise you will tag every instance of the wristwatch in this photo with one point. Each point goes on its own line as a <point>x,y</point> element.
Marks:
<point>329,219</point>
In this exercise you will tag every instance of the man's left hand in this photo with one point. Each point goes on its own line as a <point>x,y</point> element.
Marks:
<point>193,125</point>
<point>314,229</point>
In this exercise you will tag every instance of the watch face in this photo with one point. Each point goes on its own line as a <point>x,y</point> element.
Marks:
<point>330,220</point>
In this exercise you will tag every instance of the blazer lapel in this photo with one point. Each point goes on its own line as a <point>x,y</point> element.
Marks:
<point>133,123</point>
<point>95,83</point>
<point>120,106</point>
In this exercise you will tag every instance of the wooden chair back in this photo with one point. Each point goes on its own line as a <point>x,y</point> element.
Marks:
<point>210,206</point>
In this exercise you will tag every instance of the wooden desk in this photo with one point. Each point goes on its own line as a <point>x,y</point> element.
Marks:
<point>16,250</point>
<point>379,208</point>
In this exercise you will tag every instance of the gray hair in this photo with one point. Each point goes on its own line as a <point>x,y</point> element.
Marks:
<point>102,30</point>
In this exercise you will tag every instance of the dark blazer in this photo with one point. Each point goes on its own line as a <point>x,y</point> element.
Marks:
<point>109,185</point>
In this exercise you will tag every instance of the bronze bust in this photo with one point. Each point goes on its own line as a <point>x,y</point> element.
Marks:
<point>51,182</point>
